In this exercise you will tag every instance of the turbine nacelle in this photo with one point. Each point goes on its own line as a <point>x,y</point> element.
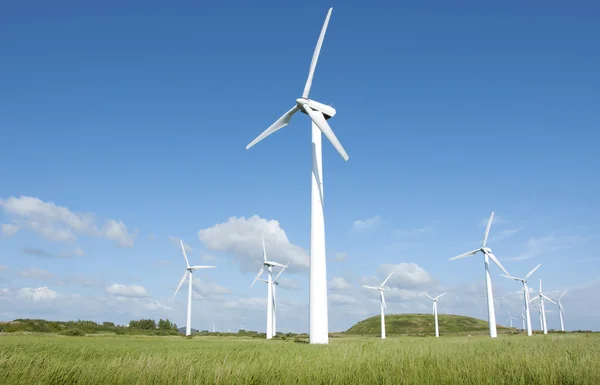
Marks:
<point>327,111</point>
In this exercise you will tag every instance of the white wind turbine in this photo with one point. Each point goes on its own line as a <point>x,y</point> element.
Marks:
<point>318,114</point>
<point>435,311</point>
<point>487,255</point>
<point>510,319</point>
<point>542,297</point>
<point>525,295</point>
<point>189,270</point>
<point>269,265</point>
<point>274,285</point>
<point>381,289</point>
<point>214,326</point>
<point>522,321</point>
<point>561,310</point>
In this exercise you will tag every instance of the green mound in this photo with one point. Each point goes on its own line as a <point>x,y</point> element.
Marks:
<point>422,324</point>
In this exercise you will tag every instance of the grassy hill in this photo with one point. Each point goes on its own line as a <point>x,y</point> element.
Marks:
<point>422,324</point>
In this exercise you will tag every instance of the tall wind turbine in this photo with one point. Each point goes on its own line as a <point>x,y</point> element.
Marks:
<point>525,295</point>
<point>381,289</point>
<point>561,311</point>
<point>274,285</point>
<point>487,255</point>
<point>189,270</point>
<point>269,265</point>
<point>542,297</point>
<point>435,312</point>
<point>319,114</point>
<point>510,319</point>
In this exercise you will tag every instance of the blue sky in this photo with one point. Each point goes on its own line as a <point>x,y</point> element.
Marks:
<point>126,124</point>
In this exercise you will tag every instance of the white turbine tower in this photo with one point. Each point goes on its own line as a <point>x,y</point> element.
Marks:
<point>189,270</point>
<point>510,319</point>
<point>523,321</point>
<point>381,289</point>
<point>214,326</point>
<point>487,255</point>
<point>561,311</point>
<point>269,265</point>
<point>318,113</point>
<point>525,295</point>
<point>435,311</point>
<point>274,285</point>
<point>542,297</point>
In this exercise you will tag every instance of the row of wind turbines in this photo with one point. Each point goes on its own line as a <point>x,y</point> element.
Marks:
<point>319,115</point>
<point>487,254</point>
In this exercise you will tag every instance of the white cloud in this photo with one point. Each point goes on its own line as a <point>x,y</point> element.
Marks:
<point>207,289</point>
<point>544,245</point>
<point>287,283</point>
<point>3,267</point>
<point>252,304</point>
<point>132,291</point>
<point>44,254</point>
<point>242,238</point>
<point>496,221</point>
<point>37,294</point>
<point>405,275</point>
<point>341,256</point>
<point>366,224</point>
<point>58,223</point>
<point>9,229</point>
<point>339,284</point>
<point>507,233</point>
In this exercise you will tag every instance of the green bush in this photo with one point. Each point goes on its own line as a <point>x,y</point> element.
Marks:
<point>73,332</point>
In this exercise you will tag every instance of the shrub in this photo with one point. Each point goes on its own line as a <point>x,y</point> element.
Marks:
<point>73,332</point>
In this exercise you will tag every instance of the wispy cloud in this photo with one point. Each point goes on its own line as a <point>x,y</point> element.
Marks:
<point>504,234</point>
<point>366,224</point>
<point>411,232</point>
<point>497,220</point>
<point>35,252</point>
<point>341,256</point>
<point>549,243</point>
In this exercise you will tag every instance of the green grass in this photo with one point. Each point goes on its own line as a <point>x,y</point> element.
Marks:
<point>422,324</point>
<point>509,359</point>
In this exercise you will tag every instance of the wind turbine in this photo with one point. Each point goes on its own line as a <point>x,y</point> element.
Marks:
<point>542,297</point>
<point>435,312</point>
<point>525,294</point>
<point>487,255</point>
<point>381,289</point>
<point>189,270</point>
<point>561,311</point>
<point>214,326</point>
<point>269,265</point>
<point>510,319</point>
<point>319,114</point>
<point>274,285</point>
<point>522,321</point>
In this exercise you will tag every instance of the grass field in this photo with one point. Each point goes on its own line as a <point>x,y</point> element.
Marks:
<point>50,359</point>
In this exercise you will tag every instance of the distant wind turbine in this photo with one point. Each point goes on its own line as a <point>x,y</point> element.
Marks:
<point>189,270</point>
<point>543,298</point>
<point>487,255</point>
<point>381,289</point>
<point>561,311</point>
<point>510,319</point>
<point>274,285</point>
<point>525,295</point>
<point>435,311</point>
<point>269,265</point>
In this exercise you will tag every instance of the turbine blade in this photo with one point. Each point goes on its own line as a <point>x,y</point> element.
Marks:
<point>320,121</point>
<point>277,276</point>
<point>275,264</point>
<point>510,277</point>
<point>441,295</point>
<point>383,300</point>
<point>262,268</point>
<point>184,254</point>
<point>262,237</point>
<point>370,287</point>
<point>384,282</point>
<point>564,292</point>
<point>548,299</point>
<point>532,271</point>
<point>540,286</point>
<point>473,252</point>
<point>181,282</point>
<point>560,306</point>
<point>534,298</point>
<point>487,230</point>
<point>497,262</point>
<point>274,296</point>
<point>428,296</point>
<point>283,121</point>
<point>202,267</point>
<point>315,58</point>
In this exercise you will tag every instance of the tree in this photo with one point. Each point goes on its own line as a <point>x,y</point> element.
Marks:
<point>165,324</point>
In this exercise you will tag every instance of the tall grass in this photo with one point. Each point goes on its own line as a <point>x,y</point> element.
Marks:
<point>557,359</point>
